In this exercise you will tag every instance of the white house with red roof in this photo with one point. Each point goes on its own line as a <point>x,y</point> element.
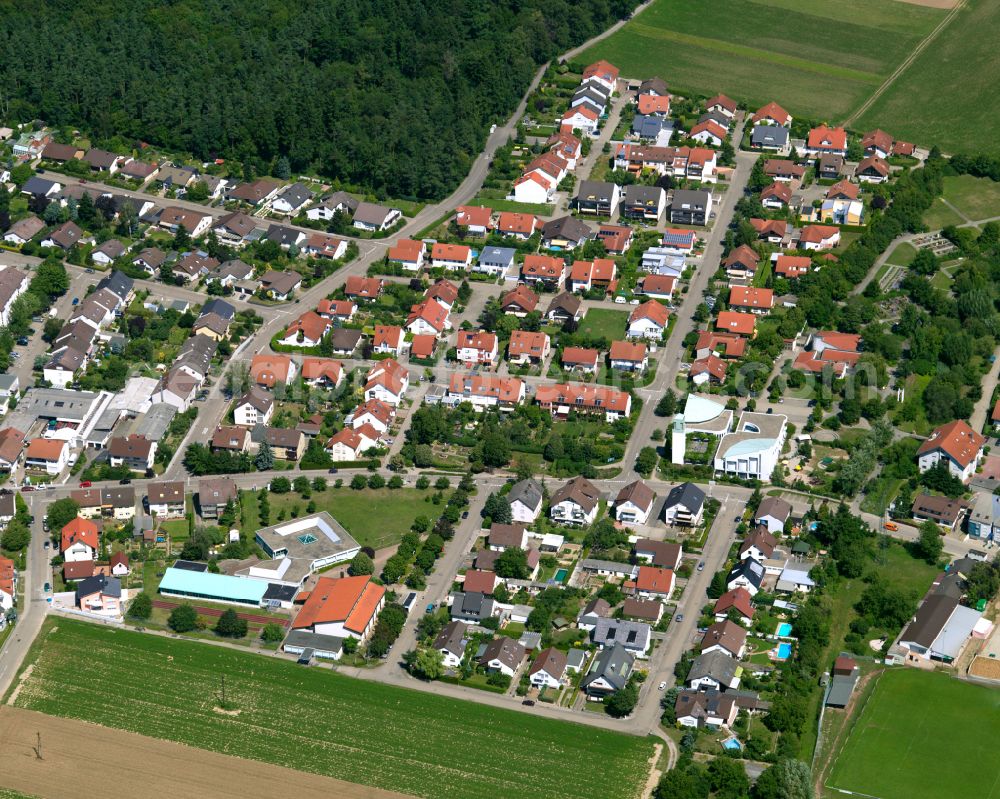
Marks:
<point>648,320</point>
<point>581,117</point>
<point>956,444</point>
<point>629,356</point>
<point>325,372</point>
<point>343,310</point>
<point>831,350</point>
<point>456,257</point>
<point>428,317</point>
<point>819,237</point>
<point>486,391</point>
<point>517,226</point>
<point>350,445</point>
<point>599,273</point>
<point>792,266</point>
<point>561,398</point>
<point>306,331</point>
<point>722,105</point>
<point>375,413</point>
<point>709,132</point>
<point>389,339</point>
<point>824,140</point>
<point>751,299</point>
<point>79,541</point>
<point>387,381</point>
<point>477,347</point>
<point>345,607</point>
<point>474,219</point>
<point>533,187</point>
<point>409,254</point>
<point>601,72</point>
<point>772,114</point>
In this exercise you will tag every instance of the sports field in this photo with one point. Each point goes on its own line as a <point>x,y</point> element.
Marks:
<point>316,720</point>
<point>924,735</point>
<point>816,59</point>
<point>947,95</point>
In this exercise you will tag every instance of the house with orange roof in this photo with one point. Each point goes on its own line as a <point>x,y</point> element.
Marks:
<point>829,350</point>
<point>428,317</point>
<point>517,226</point>
<point>79,541</point>
<point>444,291</point>
<point>363,288</point>
<point>474,219</point>
<point>709,132</point>
<point>792,266</point>
<point>485,391</point>
<point>736,602</point>
<point>617,238</point>
<point>772,114</point>
<point>580,359</point>
<point>877,142</point>
<point>751,299</point>
<point>587,275</point>
<point>824,140</point>
<point>533,187</point>
<point>843,190</point>
<point>389,339</point>
<point>349,445</point>
<point>266,370</point>
<point>343,310</point>
<point>561,398</point>
<point>48,455</point>
<point>454,257</point>
<point>569,147</point>
<point>629,356</point>
<point>743,324</point>
<point>408,253</point>
<point>581,117</point>
<point>543,269</point>
<point>8,588</point>
<point>957,445</point>
<point>872,170</point>
<point>660,287</point>
<point>322,372</point>
<point>374,413</point>
<point>306,331</point>
<point>727,346</point>
<point>819,237</point>
<point>322,245</point>
<point>387,381</point>
<point>519,302</point>
<point>479,581</point>
<point>526,347</point>
<point>708,370</point>
<point>477,347</point>
<point>601,72</point>
<point>648,320</point>
<point>422,347</point>
<point>773,231</point>
<point>741,263</point>
<point>652,582</point>
<point>343,607</point>
<point>654,105</point>
<point>11,445</point>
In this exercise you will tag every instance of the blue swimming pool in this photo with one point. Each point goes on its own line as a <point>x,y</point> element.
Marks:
<point>732,743</point>
<point>784,630</point>
<point>784,651</point>
<point>561,575</point>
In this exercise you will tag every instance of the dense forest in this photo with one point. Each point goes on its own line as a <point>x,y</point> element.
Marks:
<point>392,95</point>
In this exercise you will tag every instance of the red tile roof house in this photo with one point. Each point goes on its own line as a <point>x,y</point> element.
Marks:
<point>526,347</point>
<point>266,370</point>
<point>819,237</point>
<point>477,347</point>
<point>389,339</point>
<point>776,196</point>
<point>482,582</point>
<point>519,302</point>
<point>349,445</point>
<point>773,231</point>
<point>709,132</point>
<point>475,220</point>
<point>722,104</point>
<point>654,104</point>
<point>660,287</point>
<point>735,602</point>
<point>324,372</point>
<point>741,263</point>
<point>957,445</point>
<point>708,370</point>
<point>772,114</point>
<point>587,275</point>
<point>627,356</point>
<point>363,288</point>
<point>343,310</point>
<point>654,583</point>
<point>454,257</point>
<point>486,391</point>
<point>561,398</point>
<point>428,317</point>
<point>548,669</point>
<point>444,291</point>
<point>872,170</point>
<point>79,541</point>
<point>843,190</point>
<point>727,346</point>
<point>877,142</point>
<point>422,347</point>
<point>725,636</point>
<point>544,269</point>
<point>581,359</point>
<point>648,320</point>
<point>409,254</point>
<point>824,140</point>
<point>306,331</point>
<point>751,299</point>
<point>387,381</point>
<point>743,324</point>
<point>517,226</point>
<point>346,607</point>
<point>839,351</point>
<point>617,239</point>
<point>792,266</point>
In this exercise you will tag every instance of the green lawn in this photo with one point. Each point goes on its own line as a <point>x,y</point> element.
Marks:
<point>977,198</point>
<point>605,322</point>
<point>815,59</point>
<point>940,215</point>
<point>923,734</point>
<point>938,99</point>
<point>375,517</point>
<point>499,204</point>
<point>902,255</point>
<point>320,721</point>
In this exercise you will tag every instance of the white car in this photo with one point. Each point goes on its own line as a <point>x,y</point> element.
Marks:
<point>663,686</point>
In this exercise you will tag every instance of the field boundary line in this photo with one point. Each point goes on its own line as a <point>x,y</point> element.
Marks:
<point>840,740</point>
<point>778,59</point>
<point>907,62</point>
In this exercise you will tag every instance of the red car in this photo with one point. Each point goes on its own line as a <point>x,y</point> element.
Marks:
<point>27,488</point>
<point>85,484</point>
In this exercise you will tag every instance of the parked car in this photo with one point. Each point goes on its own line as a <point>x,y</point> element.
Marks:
<point>662,686</point>
<point>529,702</point>
<point>701,566</point>
<point>22,341</point>
<point>125,481</point>
<point>47,544</point>
<point>48,588</point>
<point>679,617</point>
<point>76,301</point>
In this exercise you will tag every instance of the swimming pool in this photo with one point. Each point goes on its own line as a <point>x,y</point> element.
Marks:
<point>561,575</point>
<point>784,651</point>
<point>784,630</point>
<point>732,743</point>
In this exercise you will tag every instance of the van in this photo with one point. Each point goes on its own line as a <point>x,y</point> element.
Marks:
<point>892,526</point>
<point>408,603</point>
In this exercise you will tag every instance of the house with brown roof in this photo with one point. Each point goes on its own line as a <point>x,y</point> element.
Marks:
<point>519,302</point>
<point>11,445</point>
<point>548,669</point>
<point>652,582</point>
<point>257,193</point>
<point>771,114</point>
<point>725,636</point>
<point>363,288</point>
<point>735,602</point>
<point>322,372</point>
<point>628,356</point>
<point>727,346</point>
<point>560,398</point>
<point>955,444</point>
<point>196,223</point>
<point>710,370</point>
<point>166,499</point>
<point>135,452</point>
<point>563,307</point>
<point>502,655</point>
<point>306,331</point>
<point>758,545</point>
<point>873,169</point>
<point>634,503</point>
<point>24,230</point>
<point>648,320</point>
<point>646,610</point>
<point>486,391</point>
<point>776,196</point>
<point>783,170</point>
<point>575,503</point>
<point>61,153</point>
<point>375,413</point>
<point>66,236</point>
<point>280,285</point>
<point>741,263</point>
<point>372,217</point>
<point>877,142</point>
<point>526,347</point>
<point>255,407</point>
<point>944,512</point>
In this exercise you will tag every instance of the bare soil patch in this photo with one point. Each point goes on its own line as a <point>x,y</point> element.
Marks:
<point>143,768</point>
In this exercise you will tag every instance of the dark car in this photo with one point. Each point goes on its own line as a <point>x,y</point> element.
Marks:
<point>22,341</point>
<point>333,470</point>
<point>465,515</point>
<point>125,481</point>
<point>529,702</point>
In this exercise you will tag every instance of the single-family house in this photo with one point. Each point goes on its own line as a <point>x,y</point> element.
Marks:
<point>525,500</point>
<point>575,503</point>
<point>634,503</point>
<point>714,670</point>
<point>685,504</point>
<point>955,444</point>
<point>256,406</point>
<point>527,348</point>
<point>648,321</point>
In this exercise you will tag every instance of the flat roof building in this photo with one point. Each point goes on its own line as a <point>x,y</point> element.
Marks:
<point>214,587</point>
<point>300,547</point>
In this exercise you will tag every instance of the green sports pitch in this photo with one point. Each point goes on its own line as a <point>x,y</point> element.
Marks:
<point>922,734</point>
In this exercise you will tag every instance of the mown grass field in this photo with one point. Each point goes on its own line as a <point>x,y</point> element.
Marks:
<point>816,59</point>
<point>976,198</point>
<point>923,734</point>
<point>945,96</point>
<point>319,721</point>
<point>604,322</point>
